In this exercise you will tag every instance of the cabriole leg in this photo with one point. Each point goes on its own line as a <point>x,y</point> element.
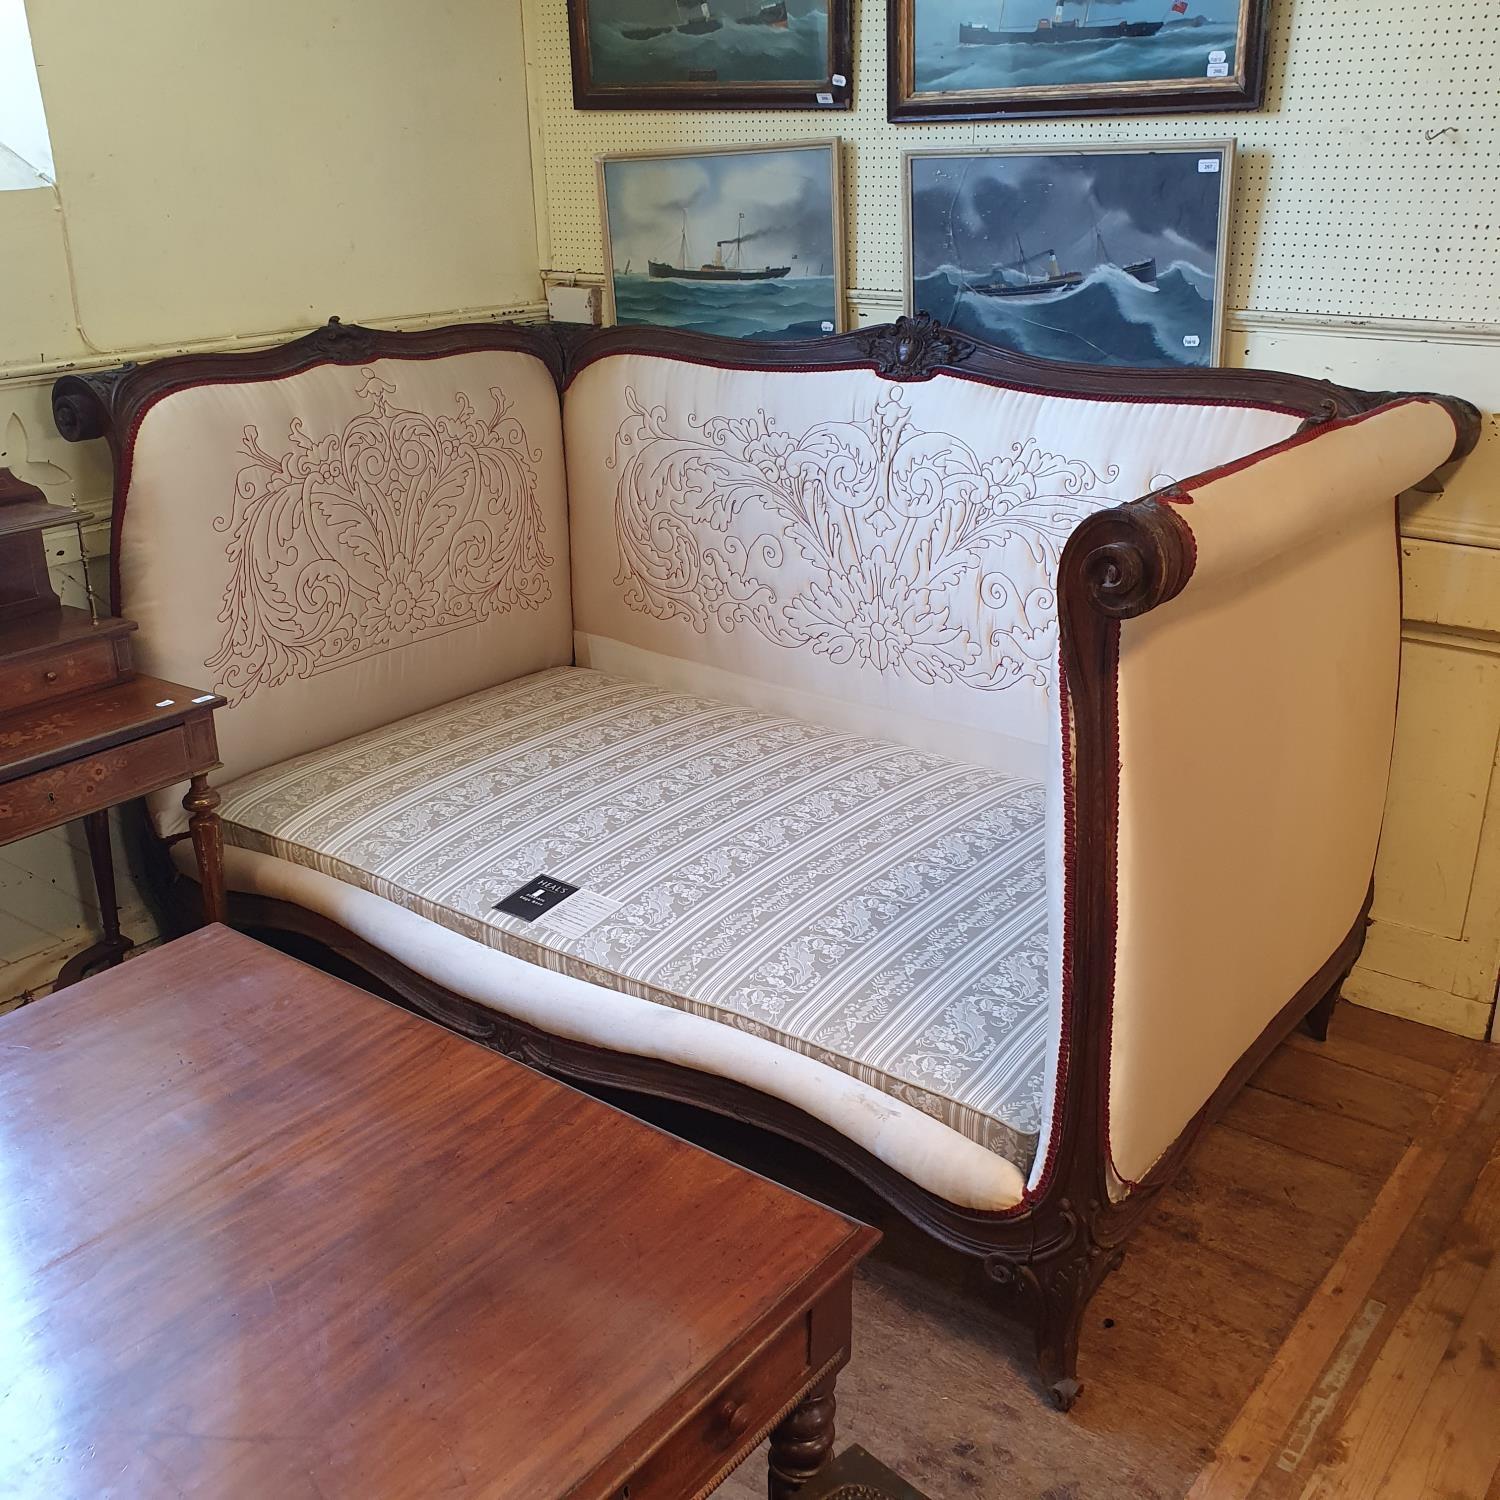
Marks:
<point>1055,1294</point>
<point>1317,1019</point>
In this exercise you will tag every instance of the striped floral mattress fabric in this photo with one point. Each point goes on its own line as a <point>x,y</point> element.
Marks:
<point>877,908</point>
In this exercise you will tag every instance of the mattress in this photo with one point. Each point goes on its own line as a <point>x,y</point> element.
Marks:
<point>880,909</point>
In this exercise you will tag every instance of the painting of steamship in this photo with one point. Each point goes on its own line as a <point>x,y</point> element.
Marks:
<point>980,58</point>
<point>1110,255</point>
<point>682,53</point>
<point>745,242</point>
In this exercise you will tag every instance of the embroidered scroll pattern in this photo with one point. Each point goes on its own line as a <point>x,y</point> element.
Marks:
<point>918,557</point>
<point>398,527</point>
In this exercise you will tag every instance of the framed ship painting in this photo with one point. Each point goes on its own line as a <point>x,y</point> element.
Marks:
<point>745,241</point>
<point>1109,255</point>
<point>711,54</point>
<point>986,59</point>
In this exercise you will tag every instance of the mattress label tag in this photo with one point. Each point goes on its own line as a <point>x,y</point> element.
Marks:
<point>541,900</point>
<point>584,911</point>
<point>539,895</point>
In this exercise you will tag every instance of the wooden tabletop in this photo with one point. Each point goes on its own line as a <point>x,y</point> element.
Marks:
<point>265,1235</point>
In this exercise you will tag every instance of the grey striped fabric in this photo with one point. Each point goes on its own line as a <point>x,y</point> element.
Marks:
<point>879,909</point>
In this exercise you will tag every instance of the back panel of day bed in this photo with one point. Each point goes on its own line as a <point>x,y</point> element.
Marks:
<point>876,554</point>
<point>345,545</point>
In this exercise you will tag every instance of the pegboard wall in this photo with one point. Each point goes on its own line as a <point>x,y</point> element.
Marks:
<point>1367,186</point>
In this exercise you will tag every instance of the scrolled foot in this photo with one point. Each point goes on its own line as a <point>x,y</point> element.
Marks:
<point>1065,1392</point>
<point>1053,1293</point>
<point>1316,1020</point>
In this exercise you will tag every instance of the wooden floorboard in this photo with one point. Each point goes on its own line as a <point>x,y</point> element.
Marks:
<point>1337,1229</point>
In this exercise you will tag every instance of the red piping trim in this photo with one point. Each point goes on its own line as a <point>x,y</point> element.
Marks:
<point>1065,1024</point>
<point>1107,1043</point>
<point>1296,440</point>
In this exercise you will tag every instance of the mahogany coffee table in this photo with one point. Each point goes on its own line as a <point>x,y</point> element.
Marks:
<point>265,1235</point>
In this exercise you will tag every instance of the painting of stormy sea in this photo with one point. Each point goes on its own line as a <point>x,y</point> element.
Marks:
<point>741,243</point>
<point>646,42</point>
<point>997,44</point>
<point>1108,258</point>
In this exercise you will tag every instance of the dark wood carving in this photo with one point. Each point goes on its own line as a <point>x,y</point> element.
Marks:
<point>914,348</point>
<point>1049,1254</point>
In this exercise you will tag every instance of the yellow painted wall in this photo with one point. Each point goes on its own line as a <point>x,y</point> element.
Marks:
<point>228,170</point>
<point>232,172</point>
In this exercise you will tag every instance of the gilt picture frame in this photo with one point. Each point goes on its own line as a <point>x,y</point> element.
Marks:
<point>712,54</point>
<point>1109,254</point>
<point>997,59</point>
<point>744,241</point>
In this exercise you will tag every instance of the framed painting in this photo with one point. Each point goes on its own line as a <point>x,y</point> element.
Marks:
<point>1106,255</point>
<point>987,59</point>
<point>711,54</point>
<point>745,241</point>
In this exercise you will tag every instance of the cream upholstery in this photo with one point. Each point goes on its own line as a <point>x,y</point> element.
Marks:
<point>881,910</point>
<point>1256,717</point>
<point>885,547</point>
<point>346,546</point>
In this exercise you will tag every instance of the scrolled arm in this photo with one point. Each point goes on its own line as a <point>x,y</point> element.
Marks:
<point>1126,560</point>
<point>83,406</point>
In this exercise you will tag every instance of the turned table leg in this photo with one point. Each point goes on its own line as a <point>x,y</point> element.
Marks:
<point>113,945</point>
<point>802,1443</point>
<point>208,845</point>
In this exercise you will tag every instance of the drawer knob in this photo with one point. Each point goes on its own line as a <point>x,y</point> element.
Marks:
<point>49,676</point>
<point>734,1416</point>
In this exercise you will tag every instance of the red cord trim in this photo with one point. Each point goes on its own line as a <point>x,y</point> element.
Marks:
<point>1184,495</point>
<point>1069,922</point>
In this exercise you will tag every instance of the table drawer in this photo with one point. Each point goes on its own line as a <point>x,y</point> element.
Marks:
<point>733,1419</point>
<point>88,664</point>
<point>33,803</point>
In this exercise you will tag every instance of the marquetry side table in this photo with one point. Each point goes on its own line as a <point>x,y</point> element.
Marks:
<point>80,732</point>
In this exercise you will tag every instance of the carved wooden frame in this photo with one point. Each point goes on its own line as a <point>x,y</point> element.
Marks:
<point>1050,1252</point>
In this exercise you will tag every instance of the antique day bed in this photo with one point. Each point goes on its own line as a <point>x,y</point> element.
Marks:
<point>968,766</point>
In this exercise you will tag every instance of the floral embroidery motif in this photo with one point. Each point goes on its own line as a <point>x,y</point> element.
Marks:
<point>399,527</point>
<point>926,560</point>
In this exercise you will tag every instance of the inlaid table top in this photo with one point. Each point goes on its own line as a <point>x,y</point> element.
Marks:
<point>263,1234</point>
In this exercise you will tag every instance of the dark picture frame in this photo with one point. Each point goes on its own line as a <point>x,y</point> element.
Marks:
<point>1111,254</point>
<point>1113,70</point>
<point>663,61</point>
